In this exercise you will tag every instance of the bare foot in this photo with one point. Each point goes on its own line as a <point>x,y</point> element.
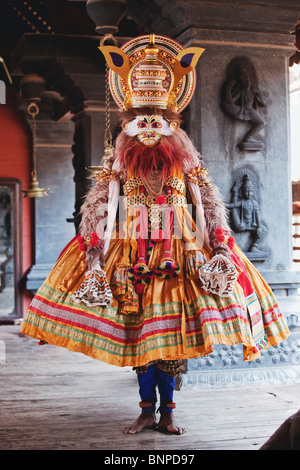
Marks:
<point>144,421</point>
<point>167,423</point>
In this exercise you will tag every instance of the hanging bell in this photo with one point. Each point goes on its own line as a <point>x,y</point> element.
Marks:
<point>108,154</point>
<point>34,190</point>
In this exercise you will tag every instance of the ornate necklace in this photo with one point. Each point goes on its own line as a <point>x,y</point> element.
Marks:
<point>154,184</point>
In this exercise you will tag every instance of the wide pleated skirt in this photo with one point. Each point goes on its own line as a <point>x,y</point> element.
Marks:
<point>177,319</point>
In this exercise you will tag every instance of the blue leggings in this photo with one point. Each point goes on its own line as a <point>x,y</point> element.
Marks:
<point>148,382</point>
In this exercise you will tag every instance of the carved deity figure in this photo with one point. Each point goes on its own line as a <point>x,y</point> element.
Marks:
<point>245,211</point>
<point>242,100</point>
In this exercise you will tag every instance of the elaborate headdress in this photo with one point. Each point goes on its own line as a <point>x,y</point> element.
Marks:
<point>152,71</point>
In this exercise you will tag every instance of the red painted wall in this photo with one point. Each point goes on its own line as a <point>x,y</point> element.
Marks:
<point>15,162</point>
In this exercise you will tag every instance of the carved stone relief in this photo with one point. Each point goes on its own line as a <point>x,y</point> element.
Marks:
<point>242,99</point>
<point>245,212</point>
<point>225,367</point>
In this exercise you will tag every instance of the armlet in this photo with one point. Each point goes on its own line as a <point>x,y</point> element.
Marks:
<point>198,176</point>
<point>106,175</point>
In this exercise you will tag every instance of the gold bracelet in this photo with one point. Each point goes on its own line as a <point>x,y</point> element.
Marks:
<point>106,175</point>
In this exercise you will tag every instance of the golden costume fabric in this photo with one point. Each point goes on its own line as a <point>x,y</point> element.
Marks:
<point>174,318</point>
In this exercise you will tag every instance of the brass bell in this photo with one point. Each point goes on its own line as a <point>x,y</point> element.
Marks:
<point>108,153</point>
<point>34,190</point>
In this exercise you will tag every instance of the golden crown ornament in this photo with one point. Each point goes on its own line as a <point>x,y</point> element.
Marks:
<point>152,71</point>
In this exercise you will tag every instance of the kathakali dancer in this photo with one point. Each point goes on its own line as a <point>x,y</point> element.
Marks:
<point>156,279</point>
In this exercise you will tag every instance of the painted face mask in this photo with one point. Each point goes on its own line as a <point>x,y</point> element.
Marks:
<point>149,129</point>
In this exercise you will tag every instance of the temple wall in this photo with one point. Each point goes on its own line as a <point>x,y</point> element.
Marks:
<point>70,140</point>
<point>217,136</point>
<point>241,34</point>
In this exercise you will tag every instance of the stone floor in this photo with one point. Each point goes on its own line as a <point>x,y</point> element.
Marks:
<point>54,399</point>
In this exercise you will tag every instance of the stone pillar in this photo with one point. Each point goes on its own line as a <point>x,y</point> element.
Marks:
<point>70,136</point>
<point>55,171</point>
<point>218,135</point>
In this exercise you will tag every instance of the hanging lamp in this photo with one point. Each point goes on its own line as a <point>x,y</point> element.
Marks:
<point>34,190</point>
<point>108,148</point>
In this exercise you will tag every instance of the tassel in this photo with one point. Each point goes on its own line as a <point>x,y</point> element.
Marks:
<point>140,275</point>
<point>131,307</point>
<point>94,290</point>
<point>193,262</point>
<point>121,286</point>
<point>123,289</point>
<point>167,269</point>
<point>218,276</point>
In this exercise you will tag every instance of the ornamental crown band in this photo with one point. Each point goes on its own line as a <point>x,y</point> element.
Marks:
<point>152,71</point>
